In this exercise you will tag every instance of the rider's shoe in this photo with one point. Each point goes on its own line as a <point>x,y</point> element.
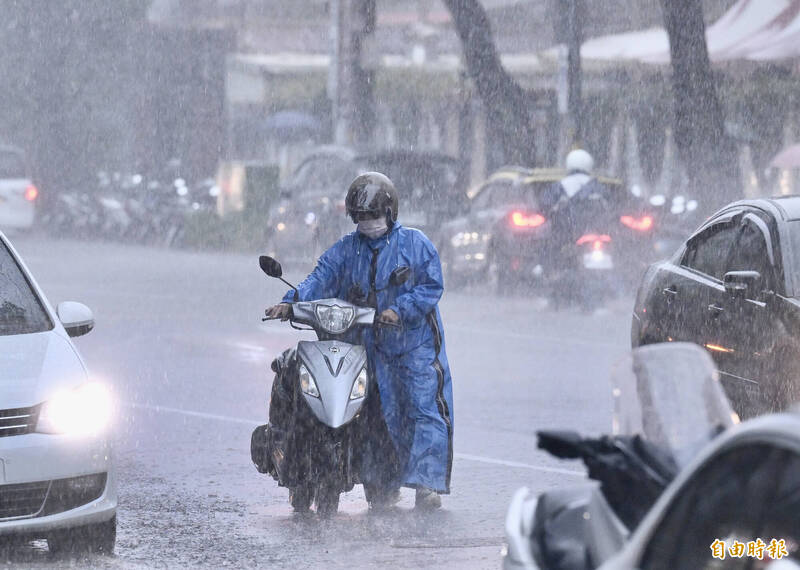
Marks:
<point>381,501</point>
<point>427,499</point>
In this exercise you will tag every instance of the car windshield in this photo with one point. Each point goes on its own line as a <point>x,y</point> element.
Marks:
<point>503,195</point>
<point>670,394</point>
<point>21,311</point>
<point>12,164</point>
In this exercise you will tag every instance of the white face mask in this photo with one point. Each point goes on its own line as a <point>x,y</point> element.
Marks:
<point>373,228</point>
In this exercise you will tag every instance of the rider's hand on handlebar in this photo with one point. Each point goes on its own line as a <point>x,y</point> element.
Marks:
<point>280,311</point>
<point>389,317</point>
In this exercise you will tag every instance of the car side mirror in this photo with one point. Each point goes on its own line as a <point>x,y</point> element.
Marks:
<point>400,275</point>
<point>76,318</point>
<point>740,283</point>
<point>270,266</point>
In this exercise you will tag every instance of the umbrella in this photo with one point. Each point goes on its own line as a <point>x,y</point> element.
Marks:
<point>787,158</point>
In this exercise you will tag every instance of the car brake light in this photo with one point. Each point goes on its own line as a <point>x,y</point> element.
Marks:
<point>522,220</point>
<point>597,240</point>
<point>31,193</point>
<point>642,224</point>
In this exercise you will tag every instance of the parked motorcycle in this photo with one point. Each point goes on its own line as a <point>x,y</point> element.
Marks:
<point>320,417</point>
<point>668,406</point>
<point>131,208</point>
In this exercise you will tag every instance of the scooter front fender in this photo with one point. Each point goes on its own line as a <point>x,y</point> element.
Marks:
<point>334,366</point>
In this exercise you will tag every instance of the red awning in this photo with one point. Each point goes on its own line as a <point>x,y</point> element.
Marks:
<point>787,158</point>
<point>751,29</point>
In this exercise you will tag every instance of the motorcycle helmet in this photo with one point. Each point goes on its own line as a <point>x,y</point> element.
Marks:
<point>579,161</point>
<point>374,194</point>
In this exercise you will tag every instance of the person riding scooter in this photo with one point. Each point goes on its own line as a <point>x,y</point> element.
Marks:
<point>577,188</point>
<point>409,360</point>
<point>574,204</point>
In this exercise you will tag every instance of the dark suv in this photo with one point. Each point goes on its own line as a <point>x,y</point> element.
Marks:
<point>311,215</point>
<point>734,288</point>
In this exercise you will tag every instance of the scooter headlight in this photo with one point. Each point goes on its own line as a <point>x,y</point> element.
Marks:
<point>359,386</point>
<point>333,318</point>
<point>307,384</point>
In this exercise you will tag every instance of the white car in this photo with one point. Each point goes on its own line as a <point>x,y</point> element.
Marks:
<point>56,470</point>
<point>18,195</point>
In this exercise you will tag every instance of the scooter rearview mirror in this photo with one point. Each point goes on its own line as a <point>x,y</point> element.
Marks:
<point>562,444</point>
<point>270,266</point>
<point>400,275</point>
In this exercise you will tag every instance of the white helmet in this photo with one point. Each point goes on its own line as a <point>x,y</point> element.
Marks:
<point>580,161</point>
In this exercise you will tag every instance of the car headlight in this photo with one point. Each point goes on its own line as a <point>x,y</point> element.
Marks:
<point>468,238</point>
<point>84,410</point>
<point>333,318</point>
<point>307,384</point>
<point>359,385</point>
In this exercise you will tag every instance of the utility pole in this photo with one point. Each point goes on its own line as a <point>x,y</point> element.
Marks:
<point>569,31</point>
<point>350,81</point>
<point>574,75</point>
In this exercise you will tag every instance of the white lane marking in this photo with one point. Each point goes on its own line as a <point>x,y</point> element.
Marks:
<point>561,341</point>
<point>465,456</point>
<point>249,352</point>
<point>480,459</point>
<point>247,346</point>
<point>193,414</point>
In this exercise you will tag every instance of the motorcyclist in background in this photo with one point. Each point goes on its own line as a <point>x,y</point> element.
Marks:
<point>408,361</point>
<point>575,203</point>
<point>579,178</point>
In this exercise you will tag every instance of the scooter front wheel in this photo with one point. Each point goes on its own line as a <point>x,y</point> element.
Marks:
<point>327,500</point>
<point>301,498</point>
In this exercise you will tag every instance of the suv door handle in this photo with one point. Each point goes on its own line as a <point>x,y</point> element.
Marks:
<point>715,308</point>
<point>670,292</point>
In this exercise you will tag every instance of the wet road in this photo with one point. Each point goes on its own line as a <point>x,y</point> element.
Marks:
<point>180,338</point>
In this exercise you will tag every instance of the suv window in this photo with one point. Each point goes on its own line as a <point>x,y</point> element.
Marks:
<point>21,312</point>
<point>322,173</point>
<point>709,251</point>
<point>425,185</point>
<point>745,493</point>
<point>750,254</point>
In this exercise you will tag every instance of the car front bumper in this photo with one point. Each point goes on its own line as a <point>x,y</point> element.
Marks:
<point>63,482</point>
<point>466,261</point>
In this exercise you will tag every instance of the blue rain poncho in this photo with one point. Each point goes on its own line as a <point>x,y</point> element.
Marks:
<point>409,363</point>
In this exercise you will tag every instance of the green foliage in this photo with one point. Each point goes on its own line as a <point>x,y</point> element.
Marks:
<point>238,231</point>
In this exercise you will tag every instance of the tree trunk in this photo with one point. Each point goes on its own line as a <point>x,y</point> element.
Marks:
<point>709,155</point>
<point>504,99</point>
